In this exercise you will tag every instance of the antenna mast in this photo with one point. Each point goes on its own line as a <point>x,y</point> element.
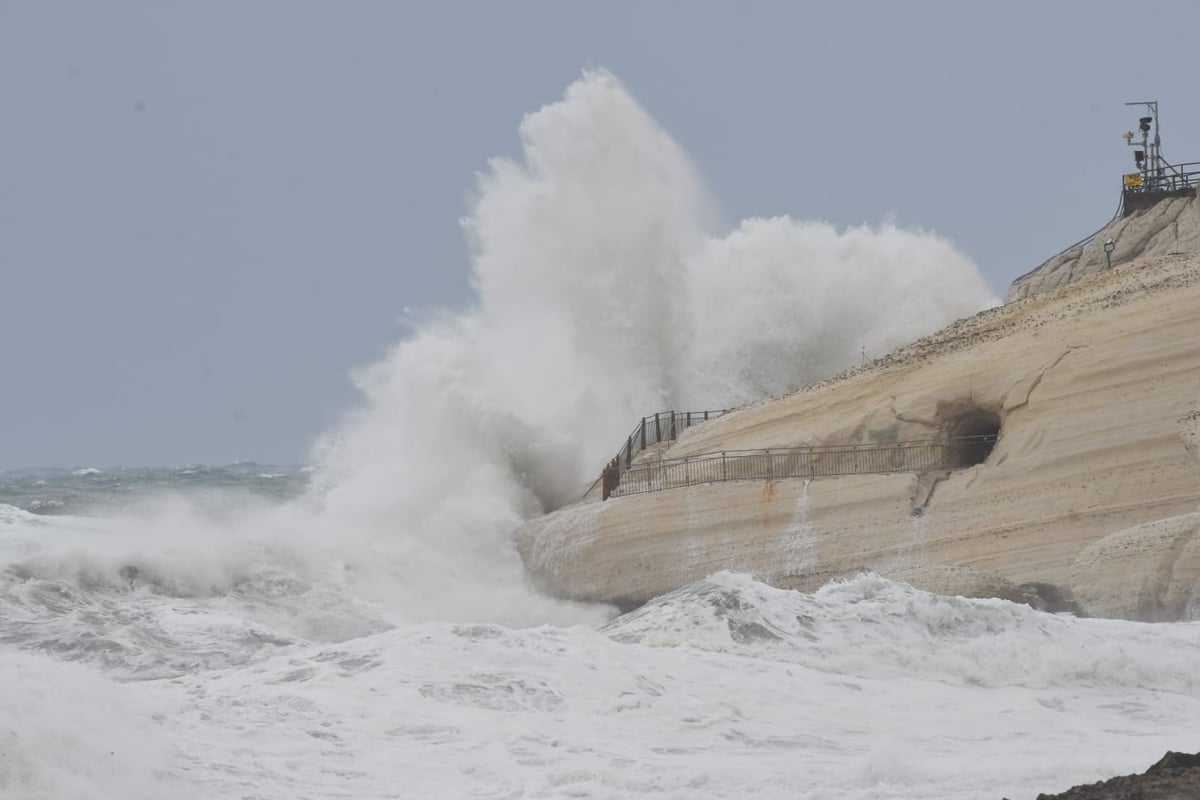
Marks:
<point>1149,159</point>
<point>1155,178</point>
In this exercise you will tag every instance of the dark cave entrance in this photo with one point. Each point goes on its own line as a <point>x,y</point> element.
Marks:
<point>974,432</point>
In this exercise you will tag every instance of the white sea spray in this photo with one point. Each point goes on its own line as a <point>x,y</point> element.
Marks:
<point>605,290</point>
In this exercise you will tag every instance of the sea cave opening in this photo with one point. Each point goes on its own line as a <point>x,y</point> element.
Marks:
<point>974,431</point>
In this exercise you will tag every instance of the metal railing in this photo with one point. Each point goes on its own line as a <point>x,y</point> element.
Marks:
<point>1144,189</point>
<point>1167,178</point>
<point>665,426</point>
<point>798,462</point>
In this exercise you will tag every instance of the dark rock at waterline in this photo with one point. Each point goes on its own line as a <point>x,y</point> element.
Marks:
<point>1176,776</point>
<point>1048,597</point>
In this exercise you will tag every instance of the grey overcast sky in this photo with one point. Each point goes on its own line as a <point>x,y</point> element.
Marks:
<point>210,212</point>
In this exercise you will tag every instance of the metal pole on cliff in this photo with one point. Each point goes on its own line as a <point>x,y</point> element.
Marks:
<point>1109,246</point>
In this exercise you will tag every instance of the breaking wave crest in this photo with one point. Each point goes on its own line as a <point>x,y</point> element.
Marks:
<point>602,294</point>
<point>604,289</point>
<point>872,627</point>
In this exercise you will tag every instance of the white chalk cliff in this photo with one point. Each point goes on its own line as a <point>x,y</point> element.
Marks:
<point>1091,494</point>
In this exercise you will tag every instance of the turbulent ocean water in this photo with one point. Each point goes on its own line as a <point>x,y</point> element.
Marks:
<point>363,628</point>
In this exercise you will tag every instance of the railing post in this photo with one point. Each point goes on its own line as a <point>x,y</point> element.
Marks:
<point>723,466</point>
<point>610,478</point>
<point>657,428</point>
<point>643,433</point>
<point>628,452</point>
<point>672,432</point>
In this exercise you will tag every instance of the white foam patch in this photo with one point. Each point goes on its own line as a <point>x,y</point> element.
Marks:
<point>869,626</point>
<point>445,710</point>
<point>13,518</point>
<point>66,732</point>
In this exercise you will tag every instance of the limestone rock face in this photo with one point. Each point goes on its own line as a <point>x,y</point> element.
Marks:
<point>1150,572</point>
<point>1088,385</point>
<point>1170,226</point>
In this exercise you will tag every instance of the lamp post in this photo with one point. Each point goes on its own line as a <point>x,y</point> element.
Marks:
<point>1109,246</point>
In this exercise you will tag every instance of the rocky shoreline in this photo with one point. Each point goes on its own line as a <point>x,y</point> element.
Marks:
<point>1176,776</point>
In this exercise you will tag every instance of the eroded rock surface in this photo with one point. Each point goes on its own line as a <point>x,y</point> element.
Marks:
<point>1150,572</point>
<point>1170,226</point>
